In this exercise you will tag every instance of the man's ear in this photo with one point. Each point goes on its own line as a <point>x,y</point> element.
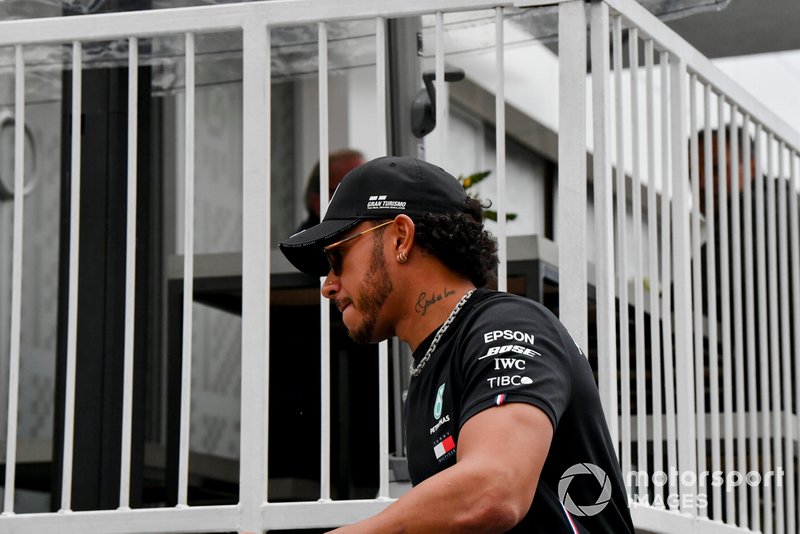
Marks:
<point>404,236</point>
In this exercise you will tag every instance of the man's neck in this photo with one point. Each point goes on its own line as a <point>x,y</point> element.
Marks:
<point>428,305</point>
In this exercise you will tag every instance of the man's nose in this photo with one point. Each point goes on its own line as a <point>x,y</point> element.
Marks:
<point>330,286</point>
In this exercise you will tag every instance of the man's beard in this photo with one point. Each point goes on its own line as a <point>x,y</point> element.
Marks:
<point>377,288</point>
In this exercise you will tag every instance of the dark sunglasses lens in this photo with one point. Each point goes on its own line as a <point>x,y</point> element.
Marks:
<point>334,260</point>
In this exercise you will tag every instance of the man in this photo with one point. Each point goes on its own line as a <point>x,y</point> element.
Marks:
<point>340,162</point>
<point>731,192</point>
<point>713,188</point>
<point>505,430</point>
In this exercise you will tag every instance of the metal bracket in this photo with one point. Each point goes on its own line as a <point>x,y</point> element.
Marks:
<point>423,109</point>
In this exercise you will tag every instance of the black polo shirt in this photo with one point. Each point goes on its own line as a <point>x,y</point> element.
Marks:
<point>502,348</point>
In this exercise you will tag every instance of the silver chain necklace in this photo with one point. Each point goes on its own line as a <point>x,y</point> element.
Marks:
<point>415,371</point>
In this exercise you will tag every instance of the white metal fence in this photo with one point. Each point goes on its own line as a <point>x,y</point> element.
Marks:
<point>700,388</point>
<point>712,385</point>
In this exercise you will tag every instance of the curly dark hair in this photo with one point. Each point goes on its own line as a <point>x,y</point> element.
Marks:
<point>460,242</point>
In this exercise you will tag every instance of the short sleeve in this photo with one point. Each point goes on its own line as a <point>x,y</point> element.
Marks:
<point>515,351</point>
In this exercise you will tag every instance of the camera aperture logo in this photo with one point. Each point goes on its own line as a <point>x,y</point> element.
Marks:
<point>582,509</point>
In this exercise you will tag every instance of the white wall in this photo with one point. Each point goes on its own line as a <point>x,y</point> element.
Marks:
<point>307,126</point>
<point>772,78</point>
<point>362,112</point>
<point>40,276</point>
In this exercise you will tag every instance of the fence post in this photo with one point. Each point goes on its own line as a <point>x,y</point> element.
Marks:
<point>684,350</point>
<point>572,291</point>
<point>604,216</point>
<point>255,275</point>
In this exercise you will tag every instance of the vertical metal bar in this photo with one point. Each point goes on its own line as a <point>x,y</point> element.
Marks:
<point>711,290</point>
<point>130,272</point>
<point>72,298</point>
<point>785,337</point>
<point>604,217</point>
<point>725,298</point>
<point>776,440</point>
<point>573,293</point>
<point>383,419</point>
<point>622,250</point>
<point>322,76</point>
<point>383,347</point>
<point>381,61</point>
<point>188,272</point>
<point>794,238</point>
<point>397,364</point>
<point>687,451</point>
<point>325,310</point>
<point>16,279</point>
<point>666,266</point>
<point>638,280</point>
<point>738,326</point>
<point>697,284</point>
<point>655,284</point>
<point>750,321</point>
<point>256,176</point>
<point>6,235</point>
<point>500,149</point>
<point>763,351</point>
<point>441,95</point>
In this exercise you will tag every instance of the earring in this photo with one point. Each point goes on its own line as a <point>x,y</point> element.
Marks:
<point>402,258</point>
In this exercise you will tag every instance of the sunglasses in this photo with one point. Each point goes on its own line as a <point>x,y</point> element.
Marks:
<point>333,251</point>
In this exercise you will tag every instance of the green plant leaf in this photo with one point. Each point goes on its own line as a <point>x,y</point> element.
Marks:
<point>467,182</point>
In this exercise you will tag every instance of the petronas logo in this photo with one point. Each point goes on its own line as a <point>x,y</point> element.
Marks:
<point>437,406</point>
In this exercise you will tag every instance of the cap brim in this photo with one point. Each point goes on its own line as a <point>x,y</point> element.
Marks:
<point>304,249</point>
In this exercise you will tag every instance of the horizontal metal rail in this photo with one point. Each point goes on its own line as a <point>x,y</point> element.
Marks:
<point>192,519</point>
<point>221,17</point>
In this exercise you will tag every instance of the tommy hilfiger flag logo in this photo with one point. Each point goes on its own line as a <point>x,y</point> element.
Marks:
<point>445,446</point>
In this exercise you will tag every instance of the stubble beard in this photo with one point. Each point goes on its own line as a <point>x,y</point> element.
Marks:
<point>377,288</point>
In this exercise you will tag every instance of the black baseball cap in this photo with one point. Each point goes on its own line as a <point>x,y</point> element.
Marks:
<point>379,189</point>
